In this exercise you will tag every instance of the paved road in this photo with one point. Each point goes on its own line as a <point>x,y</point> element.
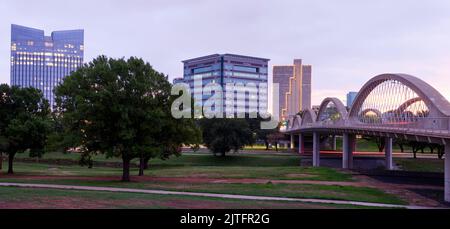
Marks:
<point>198,194</point>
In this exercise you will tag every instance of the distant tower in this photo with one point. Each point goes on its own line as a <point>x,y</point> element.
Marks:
<point>41,61</point>
<point>295,88</point>
<point>351,96</point>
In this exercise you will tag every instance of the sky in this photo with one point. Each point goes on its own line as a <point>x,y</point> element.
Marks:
<point>347,41</point>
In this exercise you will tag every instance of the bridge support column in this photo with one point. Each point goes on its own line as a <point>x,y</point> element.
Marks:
<point>348,146</point>
<point>388,153</point>
<point>316,149</point>
<point>301,143</point>
<point>292,145</point>
<point>333,142</point>
<point>447,172</point>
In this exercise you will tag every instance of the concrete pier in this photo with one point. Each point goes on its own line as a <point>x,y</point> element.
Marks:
<point>388,153</point>
<point>292,145</point>
<point>447,172</point>
<point>348,147</point>
<point>333,142</point>
<point>316,149</point>
<point>301,143</point>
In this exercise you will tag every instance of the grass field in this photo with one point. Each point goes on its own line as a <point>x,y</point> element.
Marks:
<point>195,166</point>
<point>363,145</point>
<point>50,198</point>
<point>333,192</point>
<point>421,164</point>
<point>200,165</point>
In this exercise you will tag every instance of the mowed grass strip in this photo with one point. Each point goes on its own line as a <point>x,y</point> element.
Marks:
<point>271,167</point>
<point>219,172</point>
<point>314,191</point>
<point>52,198</point>
<point>192,159</point>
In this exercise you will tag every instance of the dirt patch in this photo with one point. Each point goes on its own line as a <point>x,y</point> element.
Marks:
<point>298,175</point>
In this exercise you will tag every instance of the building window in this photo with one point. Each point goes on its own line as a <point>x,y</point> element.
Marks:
<point>245,69</point>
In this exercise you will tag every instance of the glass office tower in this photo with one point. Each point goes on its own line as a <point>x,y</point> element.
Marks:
<point>351,96</point>
<point>225,70</point>
<point>41,61</point>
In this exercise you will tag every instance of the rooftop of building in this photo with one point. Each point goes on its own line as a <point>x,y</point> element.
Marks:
<point>63,34</point>
<point>225,55</point>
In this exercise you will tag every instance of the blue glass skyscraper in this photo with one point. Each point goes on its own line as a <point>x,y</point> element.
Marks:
<point>41,61</point>
<point>351,96</point>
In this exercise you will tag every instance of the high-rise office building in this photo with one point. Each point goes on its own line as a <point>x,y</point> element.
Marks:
<point>351,96</point>
<point>41,61</point>
<point>294,88</point>
<point>225,70</point>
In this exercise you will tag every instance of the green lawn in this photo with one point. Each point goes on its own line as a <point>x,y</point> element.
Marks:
<point>50,198</point>
<point>68,156</point>
<point>421,164</point>
<point>188,159</point>
<point>260,166</point>
<point>200,165</point>
<point>263,147</point>
<point>334,192</point>
<point>363,145</point>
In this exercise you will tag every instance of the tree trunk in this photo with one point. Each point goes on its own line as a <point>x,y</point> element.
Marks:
<point>440,152</point>
<point>222,154</point>
<point>146,161</point>
<point>401,148</point>
<point>1,161</point>
<point>267,145</point>
<point>141,166</point>
<point>126,169</point>
<point>10,163</point>
<point>380,144</point>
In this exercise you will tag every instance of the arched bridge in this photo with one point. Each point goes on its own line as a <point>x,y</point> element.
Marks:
<point>392,106</point>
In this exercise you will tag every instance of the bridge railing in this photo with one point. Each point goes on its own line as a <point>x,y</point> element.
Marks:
<point>428,125</point>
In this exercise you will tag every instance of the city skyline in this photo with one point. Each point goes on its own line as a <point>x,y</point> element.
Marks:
<point>288,104</point>
<point>346,52</point>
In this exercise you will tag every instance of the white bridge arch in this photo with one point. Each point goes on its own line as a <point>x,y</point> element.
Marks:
<point>388,105</point>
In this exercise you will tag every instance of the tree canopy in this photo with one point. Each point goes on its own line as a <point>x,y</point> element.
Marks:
<point>24,122</point>
<point>222,135</point>
<point>121,108</point>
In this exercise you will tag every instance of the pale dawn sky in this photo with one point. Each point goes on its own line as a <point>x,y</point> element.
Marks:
<point>347,42</point>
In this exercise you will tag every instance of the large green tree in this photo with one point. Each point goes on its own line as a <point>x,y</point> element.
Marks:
<point>121,108</point>
<point>222,135</point>
<point>24,122</point>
